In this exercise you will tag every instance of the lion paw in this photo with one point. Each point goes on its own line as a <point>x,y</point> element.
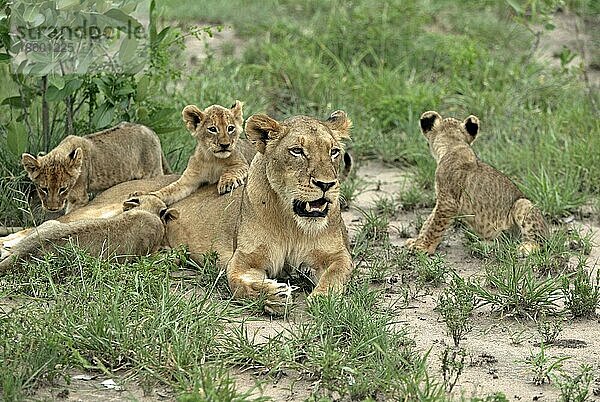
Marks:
<point>227,185</point>
<point>278,296</point>
<point>414,245</point>
<point>410,243</point>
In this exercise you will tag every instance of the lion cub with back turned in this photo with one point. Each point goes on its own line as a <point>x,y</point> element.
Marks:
<point>216,158</point>
<point>465,186</point>
<point>79,165</point>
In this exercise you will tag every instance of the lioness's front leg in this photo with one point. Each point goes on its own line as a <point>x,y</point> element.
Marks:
<point>433,229</point>
<point>247,277</point>
<point>333,273</point>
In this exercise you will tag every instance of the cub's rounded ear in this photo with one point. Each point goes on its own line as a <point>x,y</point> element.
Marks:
<point>237,111</point>
<point>30,163</point>
<point>429,120</point>
<point>340,124</point>
<point>260,129</point>
<point>192,116</point>
<point>168,214</point>
<point>471,125</point>
<point>76,158</point>
<point>131,203</point>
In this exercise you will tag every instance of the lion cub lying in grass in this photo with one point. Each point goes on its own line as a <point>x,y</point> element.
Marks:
<point>216,158</point>
<point>465,186</point>
<point>139,230</point>
<point>79,165</point>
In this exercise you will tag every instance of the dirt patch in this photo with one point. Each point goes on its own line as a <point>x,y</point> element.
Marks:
<point>224,42</point>
<point>575,34</point>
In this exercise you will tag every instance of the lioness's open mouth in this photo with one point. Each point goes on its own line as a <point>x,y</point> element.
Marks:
<point>312,209</point>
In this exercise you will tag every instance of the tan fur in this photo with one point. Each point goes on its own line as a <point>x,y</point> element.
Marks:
<point>256,231</point>
<point>106,205</point>
<point>79,165</point>
<point>465,186</point>
<point>216,158</point>
<point>254,228</point>
<point>139,230</point>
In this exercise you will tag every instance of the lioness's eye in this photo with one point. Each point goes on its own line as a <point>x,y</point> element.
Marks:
<point>212,129</point>
<point>335,153</point>
<point>296,151</point>
<point>230,129</point>
<point>62,190</point>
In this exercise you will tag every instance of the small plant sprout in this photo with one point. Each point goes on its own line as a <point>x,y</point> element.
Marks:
<point>549,329</point>
<point>455,305</point>
<point>541,367</point>
<point>582,293</point>
<point>453,363</point>
<point>386,206</point>
<point>575,387</point>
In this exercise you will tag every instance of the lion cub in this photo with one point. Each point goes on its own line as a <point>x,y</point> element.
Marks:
<point>465,186</point>
<point>79,165</point>
<point>216,158</point>
<point>139,230</point>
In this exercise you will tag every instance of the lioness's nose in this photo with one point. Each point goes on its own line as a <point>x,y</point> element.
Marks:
<point>224,146</point>
<point>323,185</point>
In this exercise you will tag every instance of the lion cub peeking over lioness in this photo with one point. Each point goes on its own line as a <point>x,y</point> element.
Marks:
<point>465,186</point>
<point>79,165</point>
<point>216,158</point>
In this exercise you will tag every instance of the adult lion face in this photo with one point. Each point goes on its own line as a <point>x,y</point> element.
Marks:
<point>302,158</point>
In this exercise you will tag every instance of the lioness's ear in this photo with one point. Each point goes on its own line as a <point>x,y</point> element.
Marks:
<point>340,124</point>
<point>261,129</point>
<point>471,125</point>
<point>76,158</point>
<point>131,203</point>
<point>192,116</point>
<point>429,120</point>
<point>30,163</point>
<point>348,163</point>
<point>238,114</point>
<point>168,215</point>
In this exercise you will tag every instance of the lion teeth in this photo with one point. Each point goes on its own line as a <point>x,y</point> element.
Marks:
<point>321,208</point>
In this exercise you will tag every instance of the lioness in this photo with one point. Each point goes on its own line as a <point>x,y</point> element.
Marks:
<point>287,214</point>
<point>216,158</point>
<point>79,165</point>
<point>465,186</point>
<point>139,230</point>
